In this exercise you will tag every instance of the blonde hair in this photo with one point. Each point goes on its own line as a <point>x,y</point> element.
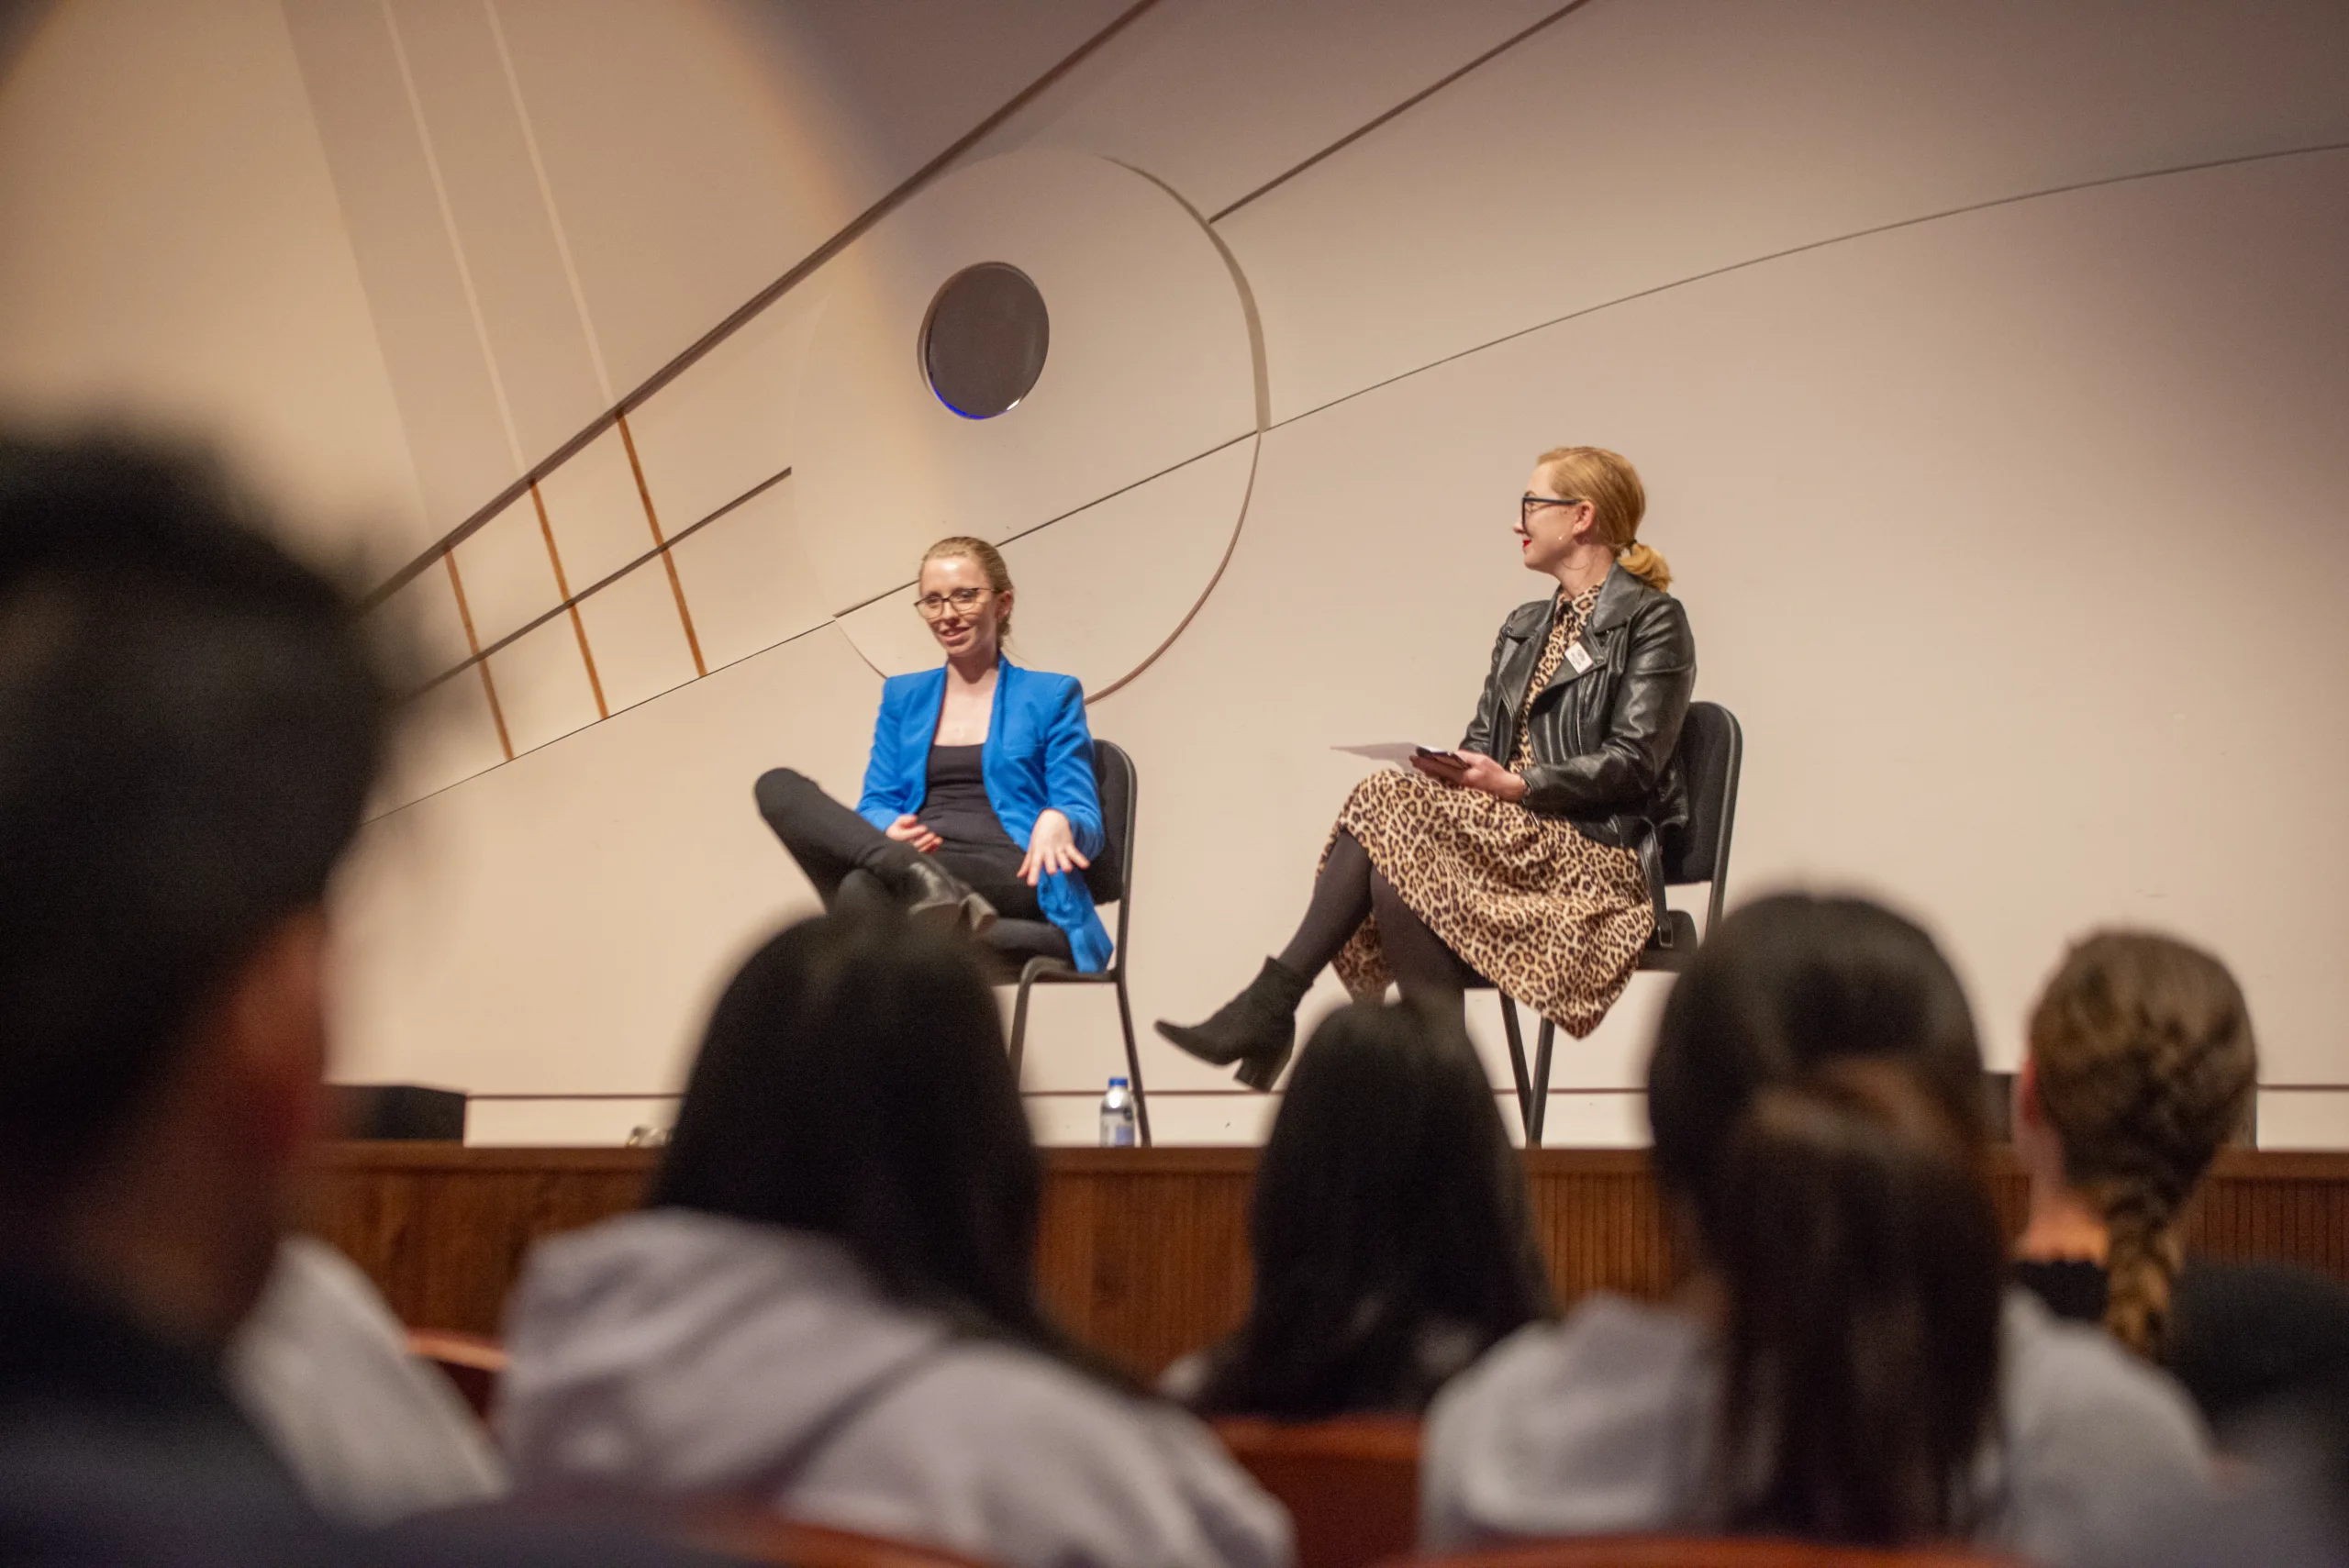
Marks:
<point>991,567</point>
<point>2142,1050</point>
<point>1608,482</point>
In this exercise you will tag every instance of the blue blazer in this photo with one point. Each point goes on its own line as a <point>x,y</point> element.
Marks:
<point>1038,754</point>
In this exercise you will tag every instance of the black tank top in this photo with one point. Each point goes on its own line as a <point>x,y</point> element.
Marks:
<point>955,805</point>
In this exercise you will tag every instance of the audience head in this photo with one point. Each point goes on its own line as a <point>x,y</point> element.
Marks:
<point>1816,1101</point>
<point>190,725</point>
<point>852,1082</point>
<point>1391,1233</point>
<point>1788,984</point>
<point>2141,1066</point>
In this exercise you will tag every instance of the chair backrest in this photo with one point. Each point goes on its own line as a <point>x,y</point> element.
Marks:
<point>472,1362</point>
<point>1711,749</point>
<point>1351,1485</point>
<point>749,1535</point>
<point>1676,1552</point>
<point>1113,777</point>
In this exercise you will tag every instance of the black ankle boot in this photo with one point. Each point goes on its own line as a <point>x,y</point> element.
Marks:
<point>931,894</point>
<point>1256,1028</point>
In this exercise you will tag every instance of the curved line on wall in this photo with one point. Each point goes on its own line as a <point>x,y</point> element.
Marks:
<point>1263,422</point>
<point>1897,224</point>
<point>1262,380</point>
<point>1238,282</point>
<point>1034,529</point>
<point>1230,547</point>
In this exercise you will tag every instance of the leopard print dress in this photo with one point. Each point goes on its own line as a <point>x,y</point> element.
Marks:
<point>1550,916</point>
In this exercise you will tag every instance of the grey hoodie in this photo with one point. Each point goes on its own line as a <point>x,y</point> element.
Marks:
<point>1601,1425</point>
<point>671,1352</point>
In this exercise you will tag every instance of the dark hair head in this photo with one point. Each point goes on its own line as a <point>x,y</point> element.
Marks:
<point>1787,984</point>
<point>190,724</point>
<point>1390,1227</point>
<point>2142,1059</point>
<point>1863,1262</point>
<point>1816,1096</point>
<point>852,1082</point>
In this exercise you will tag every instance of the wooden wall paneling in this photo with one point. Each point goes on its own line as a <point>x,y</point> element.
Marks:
<point>1144,1253</point>
<point>1595,1214</point>
<point>443,1229</point>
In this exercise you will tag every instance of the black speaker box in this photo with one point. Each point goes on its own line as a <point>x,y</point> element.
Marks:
<point>403,1111</point>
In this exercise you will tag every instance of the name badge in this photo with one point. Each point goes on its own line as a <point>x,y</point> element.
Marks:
<point>1577,657</point>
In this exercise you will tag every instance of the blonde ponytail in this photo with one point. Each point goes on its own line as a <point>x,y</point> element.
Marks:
<point>1608,482</point>
<point>1647,565</point>
<point>2142,1254</point>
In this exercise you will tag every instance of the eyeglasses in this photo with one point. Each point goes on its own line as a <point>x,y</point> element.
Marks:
<point>1532,503</point>
<point>964,600</point>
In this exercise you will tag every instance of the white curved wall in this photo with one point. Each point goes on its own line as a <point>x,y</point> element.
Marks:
<point>1984,362</point>
<point>172,250</point>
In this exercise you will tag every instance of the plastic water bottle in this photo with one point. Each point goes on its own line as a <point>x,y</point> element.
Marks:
<point>1118,1116</point>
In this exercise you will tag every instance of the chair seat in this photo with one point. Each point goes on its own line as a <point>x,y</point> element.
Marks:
<point>1016,941</point>
<point>1682,926</point>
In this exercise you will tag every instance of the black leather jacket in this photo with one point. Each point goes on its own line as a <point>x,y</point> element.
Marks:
<point>1603,737</point>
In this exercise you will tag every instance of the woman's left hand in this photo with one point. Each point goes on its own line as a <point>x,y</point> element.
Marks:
<point>1050,847</point>
<point>1474,771</point>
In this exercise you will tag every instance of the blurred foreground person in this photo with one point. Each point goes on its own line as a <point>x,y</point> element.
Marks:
<point>1391,1236</point>
<point>189,727</point>
<point>829,1306</point>
<point>2141,1066</point>
<point>1841,1366</point>
<point>324,1370</point>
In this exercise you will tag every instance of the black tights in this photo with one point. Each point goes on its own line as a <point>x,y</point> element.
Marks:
<point>842,852</point>
<point>1350,890</point>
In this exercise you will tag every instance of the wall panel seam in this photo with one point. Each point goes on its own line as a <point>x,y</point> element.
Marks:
<point>652,519</point>
<point>562,590</point>
<point>488,686</point>
<point>1422,95</point>
<point>546,199</point>
<point>456,240</point>
<point>1894,225</point>
<point>742,315</point>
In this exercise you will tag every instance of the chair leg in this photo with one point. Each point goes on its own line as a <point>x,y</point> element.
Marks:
<point>1517,1064</point>
<point>1133,1060</point>
<point>1019,1022</point>
<point>1544,1038</point>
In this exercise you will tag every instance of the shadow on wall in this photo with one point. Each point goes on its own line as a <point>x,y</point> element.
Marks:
<point>18,21</point>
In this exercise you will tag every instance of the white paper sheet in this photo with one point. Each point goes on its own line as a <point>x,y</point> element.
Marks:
<point>1396,751</point>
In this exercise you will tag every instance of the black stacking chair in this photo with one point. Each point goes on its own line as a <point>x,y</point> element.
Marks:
<point>1711,749</point>
<point>1030,953</point>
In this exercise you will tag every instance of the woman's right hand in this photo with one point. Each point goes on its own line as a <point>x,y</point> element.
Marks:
<point>907,830</point>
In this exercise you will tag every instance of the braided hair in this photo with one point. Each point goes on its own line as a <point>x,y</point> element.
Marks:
<point>2142,1048</point>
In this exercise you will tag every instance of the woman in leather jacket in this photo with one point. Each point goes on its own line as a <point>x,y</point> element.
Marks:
<point>1527,857</point>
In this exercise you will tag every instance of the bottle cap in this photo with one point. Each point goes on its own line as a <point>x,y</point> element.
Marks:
<point>1117,1083</point>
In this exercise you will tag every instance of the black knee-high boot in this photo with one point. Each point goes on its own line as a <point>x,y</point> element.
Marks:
<point>830,842</point>
<point>1256,1028</point>
<point>931,894</point>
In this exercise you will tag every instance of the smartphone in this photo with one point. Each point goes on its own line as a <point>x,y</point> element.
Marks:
<point>1454,758</point>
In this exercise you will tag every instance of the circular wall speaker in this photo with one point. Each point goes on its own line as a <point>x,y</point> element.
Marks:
<point>983,342</point>
<point>1117,488</point>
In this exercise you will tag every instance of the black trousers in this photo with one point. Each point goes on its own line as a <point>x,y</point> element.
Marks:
<point>850,860</point>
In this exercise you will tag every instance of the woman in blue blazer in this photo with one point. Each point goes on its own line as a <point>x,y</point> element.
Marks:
<point>978,797</point>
